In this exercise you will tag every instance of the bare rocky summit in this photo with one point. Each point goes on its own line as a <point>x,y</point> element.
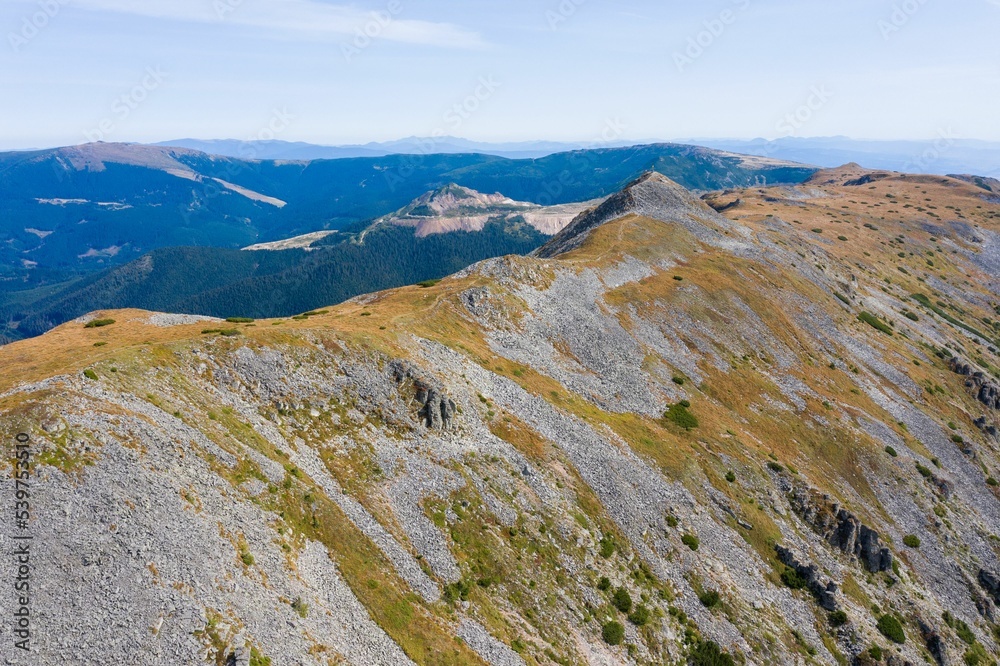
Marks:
<point>718,430</point>
<point>456,208</point>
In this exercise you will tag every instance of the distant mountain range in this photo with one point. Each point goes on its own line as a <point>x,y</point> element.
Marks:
<point>76,210</point>
<point>445,145</point>
<point>438,233</point>
<point>945,155</point>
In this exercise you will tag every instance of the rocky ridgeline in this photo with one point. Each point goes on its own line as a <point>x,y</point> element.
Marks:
<point>652,195</point>
<point>841,528</point>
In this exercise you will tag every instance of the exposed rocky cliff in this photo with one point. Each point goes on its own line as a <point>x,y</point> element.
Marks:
<point>673,437</point>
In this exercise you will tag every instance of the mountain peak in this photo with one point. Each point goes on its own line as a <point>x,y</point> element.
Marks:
<point>652,195</point>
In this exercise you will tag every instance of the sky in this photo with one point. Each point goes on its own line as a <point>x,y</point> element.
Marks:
<point>321,71</point>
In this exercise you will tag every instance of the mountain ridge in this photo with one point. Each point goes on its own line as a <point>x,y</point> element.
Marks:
<point>667,444</point>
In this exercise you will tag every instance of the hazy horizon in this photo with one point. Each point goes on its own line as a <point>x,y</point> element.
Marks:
<point>566,70</point>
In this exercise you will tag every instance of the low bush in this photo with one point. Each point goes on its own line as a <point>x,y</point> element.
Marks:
<point>90,374</point>
<point>691,541</point>
<point>890,627</point>
<point>613,633</point>
<point>680,416</point>
<point>99,323</point>
<point>604,584</point>
<point>622,600</point>
<point>911,541</point>
<point>793,579</point>
<point>708,653</point>
<point>838,619</point>
<point>875,322</point>
<point>709,599</point>
<point>891,451</point>
<point>240,320</point>
<point>640,616</point>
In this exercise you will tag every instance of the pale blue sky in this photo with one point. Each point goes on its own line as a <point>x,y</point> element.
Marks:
<point>542,69</point>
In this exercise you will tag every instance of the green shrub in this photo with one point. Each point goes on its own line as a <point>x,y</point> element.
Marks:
<point>613,633</point>
<point>604,584</point>
<point>875,652</point>
<point>709,599</point>
<point>622,600</point>
<point>775,467</point>
<point>708,653</point>
<point>875,322</point>
<point>912,316</point>
<point>607,546</point>
<point>678,380</point>
<point>99,323</point>
<point>455,591</point>
<point>992,482</point>
<point>90,374</point>
<point>890,627</point>
<point>248,558</point>
<point>300,607</point>
<point>911,541</point>
<point>100,344</point>
<point>924,471</point>
<point>958,439</point>
<point>891,451</point>
<point>427,284</point>
<point>961,628</point>
<point>672,520</point>
<point>680,416</point>
<point>229,332</point>
<point>240,320</point>
<point>793,579</point>
<point>731,477</point>
<point>691,541</point>
<point>640,616</point>
<point>838,619</point>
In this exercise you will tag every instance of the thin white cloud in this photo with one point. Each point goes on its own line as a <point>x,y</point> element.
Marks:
<point>303,18</point>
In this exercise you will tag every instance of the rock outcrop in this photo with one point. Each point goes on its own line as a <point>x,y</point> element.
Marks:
<point>986,390</point>
<point>435,408</point>
<point>990,582</point>
<point>824,588</point>
<point>841,528</point>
